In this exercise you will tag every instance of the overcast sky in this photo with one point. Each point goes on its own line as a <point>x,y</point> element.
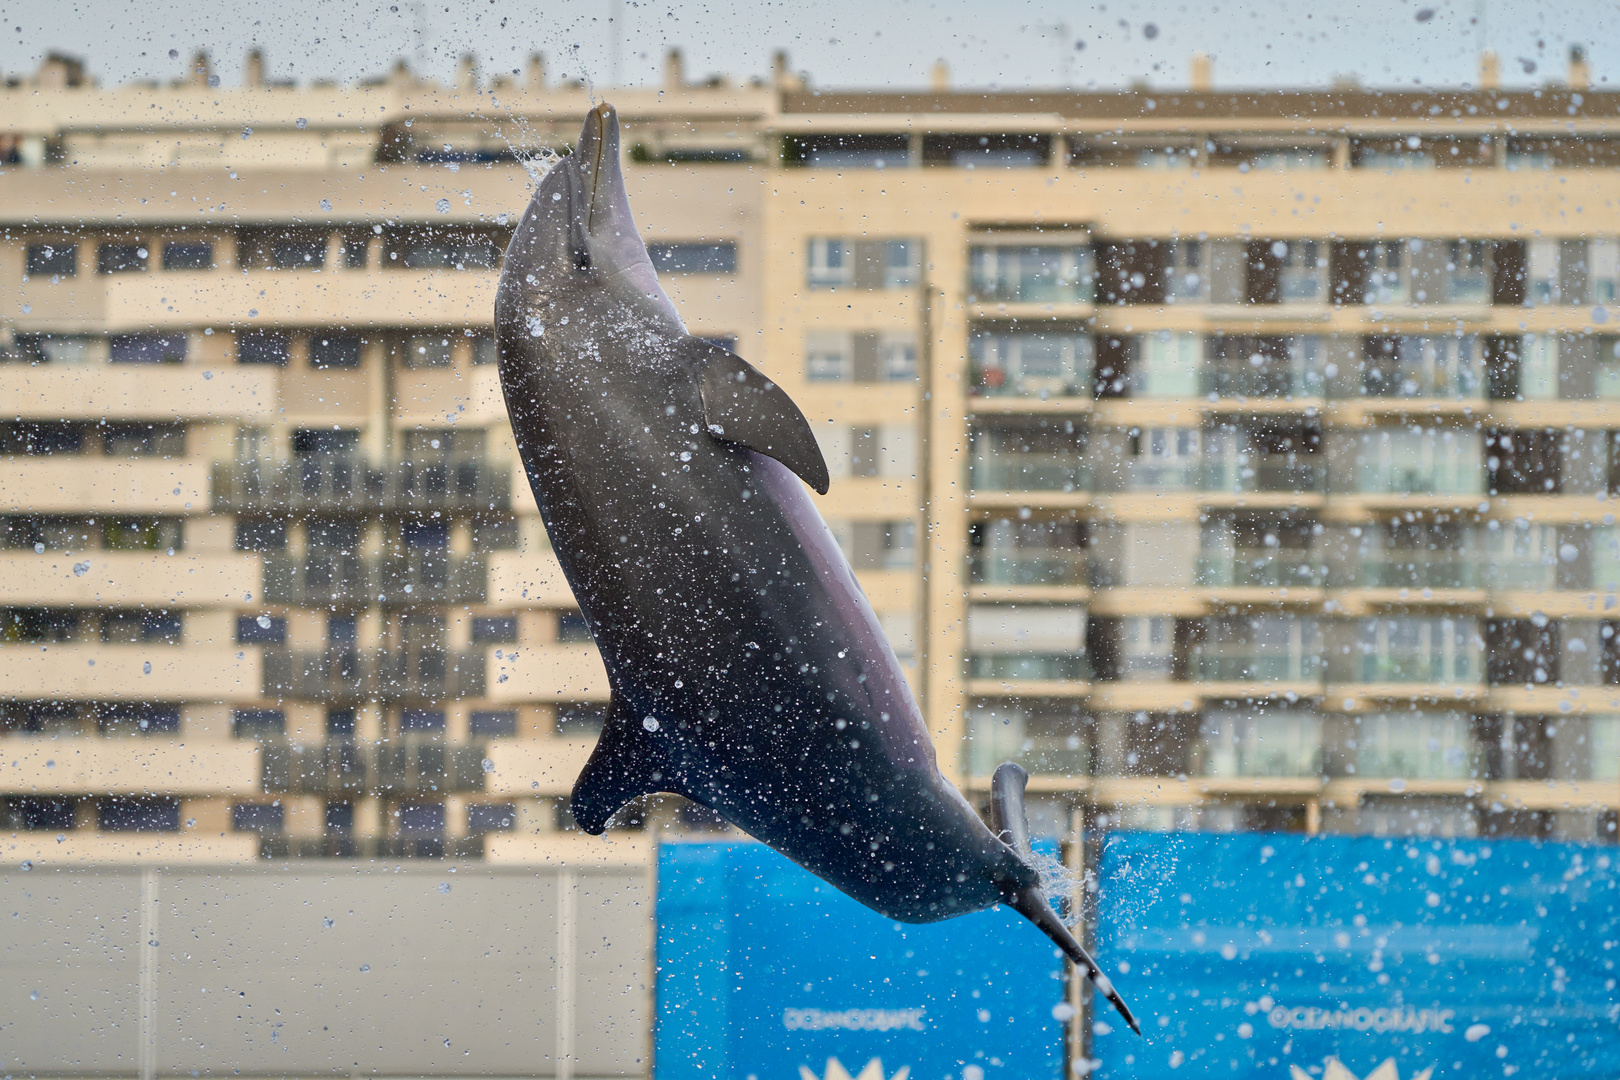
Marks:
<point>840,43</point>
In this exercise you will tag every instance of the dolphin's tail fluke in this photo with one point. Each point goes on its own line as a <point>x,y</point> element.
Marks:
<point>1008,820</point>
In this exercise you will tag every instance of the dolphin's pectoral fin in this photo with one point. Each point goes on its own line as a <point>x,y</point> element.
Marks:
<point>625,765</point>
<point>1007,818</point>
<point>742,406</point>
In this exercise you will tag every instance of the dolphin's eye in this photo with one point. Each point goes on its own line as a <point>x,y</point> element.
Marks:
<point>582,260</point>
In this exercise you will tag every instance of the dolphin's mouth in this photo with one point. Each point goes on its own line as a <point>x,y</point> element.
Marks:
<point>598,144</point>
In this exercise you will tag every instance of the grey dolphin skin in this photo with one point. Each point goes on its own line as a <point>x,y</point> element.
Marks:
<point>747,670</point>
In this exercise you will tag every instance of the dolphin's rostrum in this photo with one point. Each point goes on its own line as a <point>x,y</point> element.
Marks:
<point>747,670</point>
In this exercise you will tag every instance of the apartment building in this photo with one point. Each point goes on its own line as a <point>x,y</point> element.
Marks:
<point>1234,460</point>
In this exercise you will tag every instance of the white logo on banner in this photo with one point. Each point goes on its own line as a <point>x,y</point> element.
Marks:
<point>1333,1069</point>
<point>873,1071</point>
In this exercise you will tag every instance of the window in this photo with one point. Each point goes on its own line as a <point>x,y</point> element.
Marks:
<point>573,629</point>
<point>55,260</point>
<point>340,724</point>
<point>147,348</point>
<point>1045,273</point>
<point>694,258</point>
<point>493,723</point>
<point>427,351</point>
<point>342,631</point>
<point>325,442</point>
<point>138,814</point>
<point>421,720</point>
<point>830,263</point>
<point>138,718</point>
<point>120,258</point>
<point>144,440</point>
<point>490,817</point>
<point>260,535</point>
<point>262,347</point>
<point>484,351</point>
<point>188,255</point>
<point>441,249</point>
<point>420,819</point>
<point>40,438</point>
<point>827,356</point>
<point>580,721</point>
<point>142,534</point>
<point>257,817</point>
<point>496,534</point>
<point>901,259</point>
<point>494,630</point>
<point>848,151</point>
<point>261,630</point>
<point>128,627</point>
<point>329,349</point>
<point>340,818</point>
<point>425,533</point>
<point>43,813</point>
<point>296,252</point>
<point>258,723</point>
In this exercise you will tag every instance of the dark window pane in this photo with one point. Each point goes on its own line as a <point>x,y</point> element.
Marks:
<point>425,534</point>
<point>494,629</point>
<point>126,814</point>
<point>258,723</point>
<point>253,535</point>
<point>580,721</point>
<point>420,819</point>
<point>143,717</point>
<point>35,437</point>
<point>483,349</point>
<point>342,631</point>
<point>42,813</point>
<point>715,258</point>
<point>490,817</point>
<point>147,348</point>
<point>494,723</point>
<point>421,720</point>
<point>261,630</point>
<point>572,628</point>
<point>340,817</point>
<point>325,441</point>
<point>120,258</point>
<point>52,260</point>
<point>297,252</point>
<point>331,350</point>
<point>188,255</point>
<point>262,347</point>
<point>339,723</point>
<point>257,817</point>
<point>427,351</point>
<point>142,534</point>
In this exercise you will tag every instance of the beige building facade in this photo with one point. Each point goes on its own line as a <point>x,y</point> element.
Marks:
<point>1233,460</point>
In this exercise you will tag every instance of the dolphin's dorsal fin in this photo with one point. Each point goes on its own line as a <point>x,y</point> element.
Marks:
<point>625,765</point>
<point>742,406</point>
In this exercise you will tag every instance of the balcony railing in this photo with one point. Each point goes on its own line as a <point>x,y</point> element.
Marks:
<point>1226,380</point>
<point>1031,472</point>
<point>352,769</point>
<point>1258,474</point>
<point>1215,664</point>
<point>335,483</point>
<point>1393,569</point>
<point>1261,568</point>
<point>1428,666</point>
<point>336,846</point>
<point>1052,754</point>
<point>1032,567</point>
<point>354,675</point>
<point>1064,667</point>
<point>419,577</point>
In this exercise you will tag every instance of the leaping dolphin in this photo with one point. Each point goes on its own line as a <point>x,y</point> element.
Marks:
<point>748,672</point>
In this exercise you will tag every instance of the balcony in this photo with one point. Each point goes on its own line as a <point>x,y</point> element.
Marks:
<point>1045,742</point>
<point>1279,743</point>
<point>1030,472</point>
<point>1234,381</point>
<point>1261,568</point>
<point>322,484</point>
<point>1032,566</point>
<point>419,577</point>
<point>1415,569</point>
<point>157,392</point>
<point>72,672</point>
<point>1408,651</point>
<point>351,769</point>
<point>88,485</point>
<point>337,846</point>
<point>1027,643</point>
<point>1251,473</point>
<point>101,578</point>
<point>1031,274</point>
<point>1037,667</point>
<point>337,675</point>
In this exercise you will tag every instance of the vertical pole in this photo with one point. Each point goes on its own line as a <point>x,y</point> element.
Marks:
<point>925,443</point>
<point>1074,858</point>
<point>567,906</point>
<point>146,1047</point>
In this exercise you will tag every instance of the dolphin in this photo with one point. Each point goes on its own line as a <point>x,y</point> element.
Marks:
<point>747,670</point>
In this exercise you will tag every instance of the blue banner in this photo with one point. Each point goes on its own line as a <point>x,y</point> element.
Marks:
<point>767,973</point>
<point>1338,958</point>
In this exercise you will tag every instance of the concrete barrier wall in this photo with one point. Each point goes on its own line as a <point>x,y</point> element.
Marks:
<point>409,970</point>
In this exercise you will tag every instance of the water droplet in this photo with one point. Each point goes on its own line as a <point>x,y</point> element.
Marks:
<point>326,204</point>
<point>81,569</point>
<point>33,995</point>
<point>443,207</point>
<point>26,865</point>
<point>327,922</point>
<point>365,968</point>
<point>444,887</point>
<point>263,621</point>
<point>650,723</point>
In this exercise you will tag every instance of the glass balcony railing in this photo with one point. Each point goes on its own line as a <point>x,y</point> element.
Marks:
<point>1462,477</point>
<point>1030,472</point>
<point>1032,567</point>
<point>1261,474</point>
<point>1048,752</point>
<point>1283,744</point>
<point>1420,666</point>
<point>1231,380</point>
<point>344,483</point>
<point>419,577</point>
<point>1413,745</point>
<point>347,768</point>
<point>1261,568</point>
<point>1220,664</point>
<point>1067,667</point>
<point>1031,274</point>
<point>355,675</point>
<point>1394,569</point>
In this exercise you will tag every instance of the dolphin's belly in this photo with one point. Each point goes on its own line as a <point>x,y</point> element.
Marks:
<point>724,610</point>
